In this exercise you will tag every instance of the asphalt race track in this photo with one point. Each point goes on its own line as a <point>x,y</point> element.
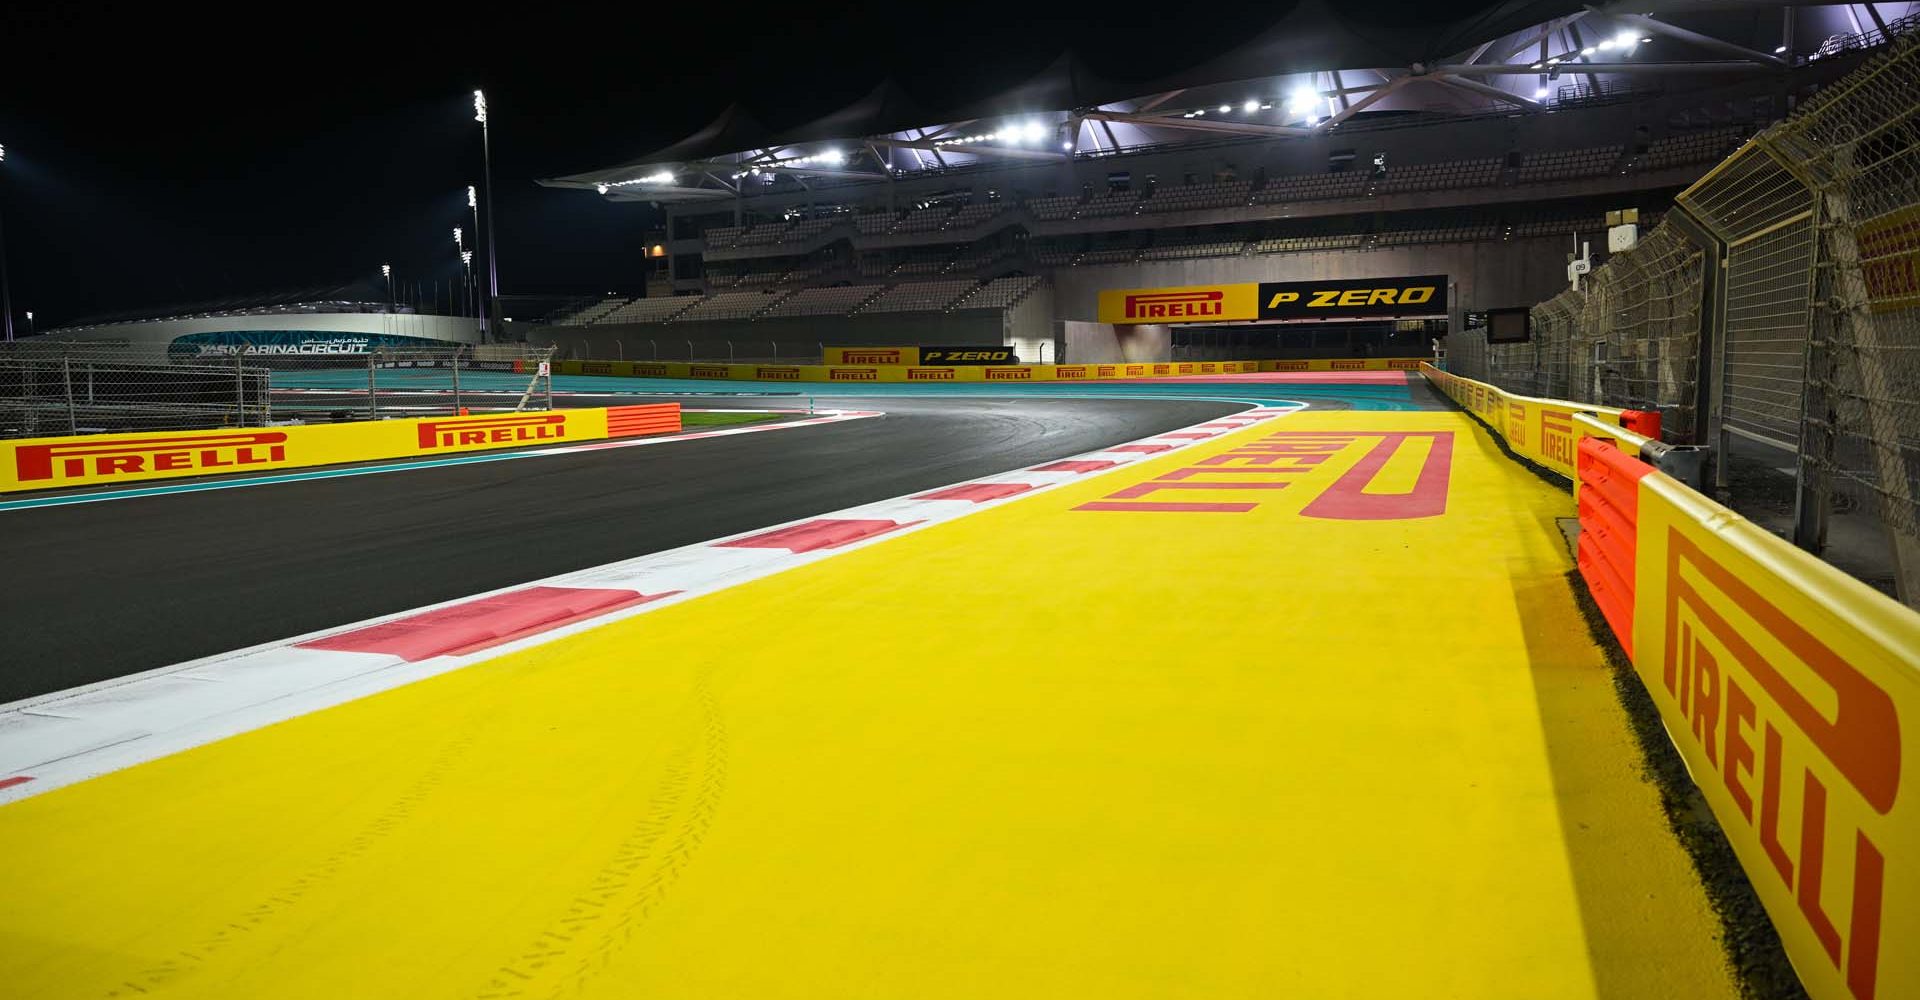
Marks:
<point>129,585</point>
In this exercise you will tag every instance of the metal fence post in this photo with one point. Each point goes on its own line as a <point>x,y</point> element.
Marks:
<point>655,345</point>
<point>239,388</point>
<point>373,404</point>
<point>66,372</point>
<point>549,363</point>
<point>456,381</point>
<point>776,350</point>
<point>729,352</point>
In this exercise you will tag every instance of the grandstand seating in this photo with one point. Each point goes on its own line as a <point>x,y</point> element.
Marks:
<point>1110,204</point>
<point>1568,164</point>
<point>1307,244</point>
<point>1195,197</point>
<point>972,215</point>
<point>920,296</point>
<point>729,305</point>
<point>587,314</point>
<point>1452,175</point>
<point>1181,251</point>
<point>807,229</point>
<point>1311,187</point>
<point>873,223</point>
<point>654,310</point>
<point>1053,208</point>
<point>722,237</point>
<point>1692,147</point>
<point>998,293</point>
<point>924,220</point>
<point>838,300</point>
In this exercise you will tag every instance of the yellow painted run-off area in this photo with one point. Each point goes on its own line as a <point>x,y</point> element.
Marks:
<point>1352,740</point>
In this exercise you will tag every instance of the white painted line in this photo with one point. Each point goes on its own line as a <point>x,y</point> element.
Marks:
<point>66,737</point>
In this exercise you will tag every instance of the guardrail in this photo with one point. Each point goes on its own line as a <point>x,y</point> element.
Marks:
<point>111,459</point>
<point>970,373</point>
<point>1791,690</point>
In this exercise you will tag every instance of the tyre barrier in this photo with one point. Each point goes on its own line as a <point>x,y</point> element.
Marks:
<point>1791,690</point>
<point>101,459</point>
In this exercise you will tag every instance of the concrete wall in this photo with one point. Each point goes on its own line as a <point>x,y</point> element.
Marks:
<point>1486,275</point>
<point>1105,343</point>
<point>792,338</point>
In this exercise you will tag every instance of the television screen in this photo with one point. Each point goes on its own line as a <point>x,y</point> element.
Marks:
<point>1508,326</point>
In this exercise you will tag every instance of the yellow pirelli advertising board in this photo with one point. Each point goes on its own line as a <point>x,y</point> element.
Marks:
<point>969,371</point>
<point>1793,692</point>
<point>106,459</point>
<point>1187,304</point>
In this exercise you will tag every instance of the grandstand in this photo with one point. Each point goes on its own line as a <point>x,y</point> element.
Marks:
<point>1486,164</point>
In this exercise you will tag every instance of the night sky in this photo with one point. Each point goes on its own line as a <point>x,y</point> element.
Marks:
<point>157,156</point>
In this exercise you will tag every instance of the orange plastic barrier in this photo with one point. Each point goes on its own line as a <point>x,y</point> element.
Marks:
<point>1645,423</point>
<point>1609,506</point>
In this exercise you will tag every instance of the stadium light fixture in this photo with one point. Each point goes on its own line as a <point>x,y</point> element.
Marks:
<point>1067,144</point>
<point>1589,50</point>
<point>1779,50</point>
<point>472,201</point>
<point>1250,107</point>
<point>1224,108</point>
<point>1539,93</point>
<point>493,221</point>
<point>1606,44</point>
<point>1626,39</point>
<point>458,239</point>
<point>480,107</point>
<point>602,188</point>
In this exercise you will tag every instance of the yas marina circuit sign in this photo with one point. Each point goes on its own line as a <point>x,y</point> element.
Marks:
<point>1350,298</point>
<point>291,343</point>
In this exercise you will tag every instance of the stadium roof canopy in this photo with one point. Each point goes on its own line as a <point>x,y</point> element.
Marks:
<point>1315,69</point>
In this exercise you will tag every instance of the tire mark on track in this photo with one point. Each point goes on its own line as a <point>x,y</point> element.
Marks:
<point>603,918</point>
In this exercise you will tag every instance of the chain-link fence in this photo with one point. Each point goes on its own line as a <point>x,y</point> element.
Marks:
<point>1775,318</point>
<point>50,389</point>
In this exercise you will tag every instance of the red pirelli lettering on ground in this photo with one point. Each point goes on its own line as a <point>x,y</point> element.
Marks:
<point>1795,721</point>
<point>80,458</point>
<point>1277,461</point>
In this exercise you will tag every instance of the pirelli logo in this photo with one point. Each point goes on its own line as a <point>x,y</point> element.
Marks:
<point>490,430</point>
<point>930,374</point>
<point>651,370</point>
<point>875,356</point>
<point>853,375</point>
<point>1009,374</point>
<point>1517,424</point>
<point>1804,750</point>
<point>1176,305</point>
<point>596,367</point>
<point>767,374</point>
<point>1163,369</point>
<point>1556,431</point>
<point>1346,365</point>
<point>1106,371</point>
<point>81,459</point>
<point>1134,370</point>
<point>1403,364</point>
<point>708,371</point>
<point>1070,371</point>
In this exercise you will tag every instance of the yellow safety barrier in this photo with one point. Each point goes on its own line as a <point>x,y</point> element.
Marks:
<point>1540,430</point>
<point>1344,365</point>
<point>970,373</point>
<point>902,373</point>
<point>95,459</point>
<point>1792,691</point>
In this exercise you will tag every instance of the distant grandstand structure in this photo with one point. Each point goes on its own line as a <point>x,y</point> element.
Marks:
<point>1485,151</point>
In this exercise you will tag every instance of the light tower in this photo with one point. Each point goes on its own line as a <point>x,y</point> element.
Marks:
<point>6,293</point>
<point>493,221</point>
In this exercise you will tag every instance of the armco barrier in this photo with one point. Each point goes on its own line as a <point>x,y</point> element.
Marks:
<point>1540,430</point>
<point>969,373</point>
<point>52,463</point>
<point>1791,690</point>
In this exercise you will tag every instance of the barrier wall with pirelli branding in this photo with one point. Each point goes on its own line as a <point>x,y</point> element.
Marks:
<point>105,459</point>
<point>969,372</point>
<point>1791,689</point>
<point>1541,430</point>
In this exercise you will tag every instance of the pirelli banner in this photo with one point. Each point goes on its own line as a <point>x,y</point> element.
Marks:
<point>1792,690</point>
<point>106,459</point>
<point>1281,301</point>
<point>976,354</point>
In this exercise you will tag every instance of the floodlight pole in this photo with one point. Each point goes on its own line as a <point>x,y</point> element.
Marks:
<point>6,292</point>
<point>493,221</point>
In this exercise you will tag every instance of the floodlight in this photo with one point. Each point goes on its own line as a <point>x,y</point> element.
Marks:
<point>480,107</point>
<point>1539,92</point>
<point>472,201</point>
<point>1067,144</point>
<point>602,187</point>
<point>1779,49</point>
<point>1250,107</point>
<point>458,240</point>
<point>1626,39</point>
<point>386,270</point>
<point>1224,108</point>
<point>834,157</point>
<point>1606,44</point>
<point>1589,50</point>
